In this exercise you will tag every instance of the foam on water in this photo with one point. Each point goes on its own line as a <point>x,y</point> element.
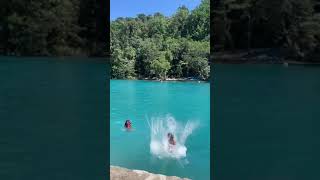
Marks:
<point>159,145</point>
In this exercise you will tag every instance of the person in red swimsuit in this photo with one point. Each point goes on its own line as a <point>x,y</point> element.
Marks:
<point>127,124</point>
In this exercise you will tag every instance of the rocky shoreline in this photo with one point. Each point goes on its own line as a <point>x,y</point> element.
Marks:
<point>169,79</point>
<point>120,173</point>
<point>175,79</point>
<point>258,56</point>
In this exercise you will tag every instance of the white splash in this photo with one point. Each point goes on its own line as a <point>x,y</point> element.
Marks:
<point>159,145</point>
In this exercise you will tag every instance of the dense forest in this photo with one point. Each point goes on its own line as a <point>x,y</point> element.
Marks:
<point>291,26</point>
<point>53,27</point>
<point>156,46</point>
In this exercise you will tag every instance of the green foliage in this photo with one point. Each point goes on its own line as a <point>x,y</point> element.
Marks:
<point>178,22</point>
<point>123,67</point>
<point>289,24</point>
<point>199,21</point>
<point>160,66</point>
<point>47,28</point>
<point>160,47</point>
<point>196,59</point>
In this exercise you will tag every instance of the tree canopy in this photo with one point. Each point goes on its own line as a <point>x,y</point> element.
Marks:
<point>155,46</point>
<point>289,24</point>
<point>51,28</point>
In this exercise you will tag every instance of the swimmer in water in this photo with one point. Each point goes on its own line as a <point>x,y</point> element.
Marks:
<point>171,139</point>
<point>127,124</point>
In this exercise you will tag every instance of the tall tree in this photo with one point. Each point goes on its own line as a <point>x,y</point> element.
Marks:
<point>199,21</point>
<point>177,24</point>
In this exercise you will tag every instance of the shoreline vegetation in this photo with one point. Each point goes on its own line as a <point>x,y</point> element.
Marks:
<point>254,31</point>
<point>117,172</point>
<point>162,48</point>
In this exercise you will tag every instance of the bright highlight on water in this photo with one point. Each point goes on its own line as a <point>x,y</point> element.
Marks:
<point>159,145</point>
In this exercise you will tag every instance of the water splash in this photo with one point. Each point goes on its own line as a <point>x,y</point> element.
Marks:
<point>159,145</point>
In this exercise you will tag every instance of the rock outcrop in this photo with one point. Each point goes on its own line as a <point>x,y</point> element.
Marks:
<point>119,173</point>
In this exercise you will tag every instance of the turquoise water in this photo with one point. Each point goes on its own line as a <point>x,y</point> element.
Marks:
<point>53,119</point>
<point>141,101</point>
<point>266,122</point>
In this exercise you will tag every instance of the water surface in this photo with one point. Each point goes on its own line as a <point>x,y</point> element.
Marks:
<point>53,119</point>
<point>266,122</point>
<point>143,100</point>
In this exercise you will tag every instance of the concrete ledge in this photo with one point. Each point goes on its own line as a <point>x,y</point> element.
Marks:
<point>119,173</point>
